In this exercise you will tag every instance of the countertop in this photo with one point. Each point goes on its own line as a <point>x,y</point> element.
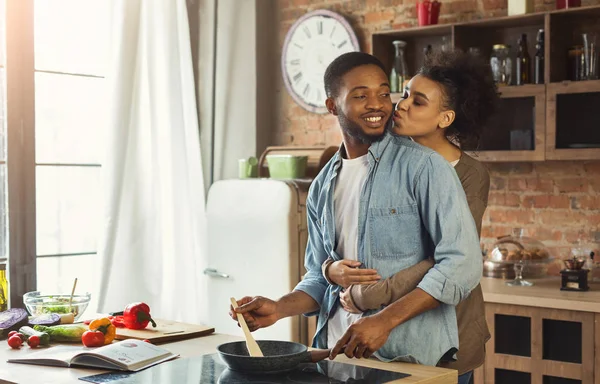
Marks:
<point>545,293</point>
<point>24,373</point>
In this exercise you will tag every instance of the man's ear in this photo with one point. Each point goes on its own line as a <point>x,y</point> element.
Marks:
<point>446,119</point>
<point>331,107</point>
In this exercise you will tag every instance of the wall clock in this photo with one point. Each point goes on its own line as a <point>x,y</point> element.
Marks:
<point>311,44</point>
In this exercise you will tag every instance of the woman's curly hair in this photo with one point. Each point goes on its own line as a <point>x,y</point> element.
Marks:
<point>468,89</point>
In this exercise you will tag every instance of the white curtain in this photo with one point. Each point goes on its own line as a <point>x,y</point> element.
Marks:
<point>153,242</point>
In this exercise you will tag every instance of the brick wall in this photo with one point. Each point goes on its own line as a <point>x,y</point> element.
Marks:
<point>556,202</point>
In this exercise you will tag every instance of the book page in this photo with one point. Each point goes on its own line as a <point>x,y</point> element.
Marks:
<point>126,354</point>
<point>57,356</point>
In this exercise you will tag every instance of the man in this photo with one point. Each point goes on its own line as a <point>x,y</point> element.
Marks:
<point>388,203</point>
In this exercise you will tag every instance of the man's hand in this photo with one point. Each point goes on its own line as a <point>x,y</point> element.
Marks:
<point>346,272</point>
<point>347,302</point>
<point>363,337</point>
<point>259,312</point>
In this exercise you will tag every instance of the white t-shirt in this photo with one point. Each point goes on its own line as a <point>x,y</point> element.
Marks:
<point>349,184</point>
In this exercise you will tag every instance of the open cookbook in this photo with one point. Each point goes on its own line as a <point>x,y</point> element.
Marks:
<point>126,355</point>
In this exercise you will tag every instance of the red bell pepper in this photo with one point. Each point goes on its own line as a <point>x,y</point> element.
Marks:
<point>137,316</point>
<point>117,321</point>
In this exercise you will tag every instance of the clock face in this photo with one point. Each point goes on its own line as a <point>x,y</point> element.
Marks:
<point>311,44</point>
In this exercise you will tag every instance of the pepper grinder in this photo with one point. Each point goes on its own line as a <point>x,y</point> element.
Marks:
<point>574,276</point>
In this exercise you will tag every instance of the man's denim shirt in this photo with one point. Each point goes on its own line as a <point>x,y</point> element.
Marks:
<point>412,206</point>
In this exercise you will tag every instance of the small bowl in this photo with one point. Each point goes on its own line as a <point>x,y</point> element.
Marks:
<point>38,303</point>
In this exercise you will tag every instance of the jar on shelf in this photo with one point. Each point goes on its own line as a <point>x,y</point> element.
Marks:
<point>501,64</point>
<point>576,63</point>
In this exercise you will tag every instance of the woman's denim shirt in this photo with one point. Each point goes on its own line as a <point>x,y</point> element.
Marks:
<point>412,206</point>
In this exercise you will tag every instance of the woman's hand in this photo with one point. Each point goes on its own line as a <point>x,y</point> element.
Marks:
<point>346,272</point>
<point>347,302</point>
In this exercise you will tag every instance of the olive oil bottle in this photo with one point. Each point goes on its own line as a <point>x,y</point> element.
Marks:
<point>3,288</point>
<point>523,63</point>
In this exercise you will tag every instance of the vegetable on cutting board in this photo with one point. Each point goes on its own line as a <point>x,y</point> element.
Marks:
<point>28,332</point>
<point>11,320</point>
<point>70,333</point>
<point>137,316</point>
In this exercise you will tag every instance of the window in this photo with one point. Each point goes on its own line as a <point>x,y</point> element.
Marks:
<point>3,179</point>
<point>69,49</point>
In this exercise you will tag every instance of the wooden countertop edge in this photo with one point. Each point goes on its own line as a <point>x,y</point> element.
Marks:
<point>545,293</point>
<point>541,302</point>
<point>442,375</point>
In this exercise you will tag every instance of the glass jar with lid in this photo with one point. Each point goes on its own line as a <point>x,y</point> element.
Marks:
<point>501,64</point>
<point>521,251</point>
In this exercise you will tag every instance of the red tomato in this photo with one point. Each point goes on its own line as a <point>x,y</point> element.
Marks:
<point>22,336</point>
<point>15,341</point>
<point>33,341</point>
<point>92,338</point>
<point>12,333</point>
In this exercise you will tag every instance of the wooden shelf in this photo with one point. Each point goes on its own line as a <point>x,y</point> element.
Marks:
<point>430,30</point>
<point>506,21</point>
<point>526,90</point>
<point>563,28</point>
<point>505,91</point>
<point>575,86</point>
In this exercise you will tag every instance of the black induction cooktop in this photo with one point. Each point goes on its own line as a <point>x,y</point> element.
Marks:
<point>210,369</point>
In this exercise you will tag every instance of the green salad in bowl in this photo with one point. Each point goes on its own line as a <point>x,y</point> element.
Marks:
<point>39,303</point>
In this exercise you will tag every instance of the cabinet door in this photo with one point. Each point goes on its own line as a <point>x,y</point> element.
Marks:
<point>539,345</point>
<point>573,120</point>
<point>517,131</point>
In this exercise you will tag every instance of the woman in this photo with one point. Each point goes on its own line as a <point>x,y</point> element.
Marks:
<point>444,107</point>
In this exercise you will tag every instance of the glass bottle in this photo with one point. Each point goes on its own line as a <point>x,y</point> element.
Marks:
<point>501,64</point>
<point>538,70</point>
<point>523,75</point>
<point>399,71</point>
<point>3,288</point>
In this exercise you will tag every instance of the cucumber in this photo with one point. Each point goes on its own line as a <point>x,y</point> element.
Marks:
<point>28,331</point>
<point>70,333</point>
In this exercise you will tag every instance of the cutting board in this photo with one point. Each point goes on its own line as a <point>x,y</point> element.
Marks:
<point>165,332</point>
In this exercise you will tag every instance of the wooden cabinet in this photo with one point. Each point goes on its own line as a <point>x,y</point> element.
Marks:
<point>555,120</point>
<point>540,334</point>
<point>573,120</point>
<point>532,345</point>
<point>519,125</point>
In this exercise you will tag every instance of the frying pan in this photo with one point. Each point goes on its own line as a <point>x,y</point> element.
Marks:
<point>279,356</point>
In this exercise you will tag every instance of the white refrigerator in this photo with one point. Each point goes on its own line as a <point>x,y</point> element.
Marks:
<point>256,242</point>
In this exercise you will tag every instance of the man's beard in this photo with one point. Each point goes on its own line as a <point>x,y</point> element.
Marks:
<point>355,131</point>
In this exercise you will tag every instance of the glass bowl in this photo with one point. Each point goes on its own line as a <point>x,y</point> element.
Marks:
<point>520,251</point>
<point>38,303</point>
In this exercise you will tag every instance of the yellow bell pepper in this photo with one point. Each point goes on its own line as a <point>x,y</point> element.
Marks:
<point>106,327</point>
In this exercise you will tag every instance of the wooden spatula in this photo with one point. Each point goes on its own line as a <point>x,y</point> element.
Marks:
<point>251,344</point>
